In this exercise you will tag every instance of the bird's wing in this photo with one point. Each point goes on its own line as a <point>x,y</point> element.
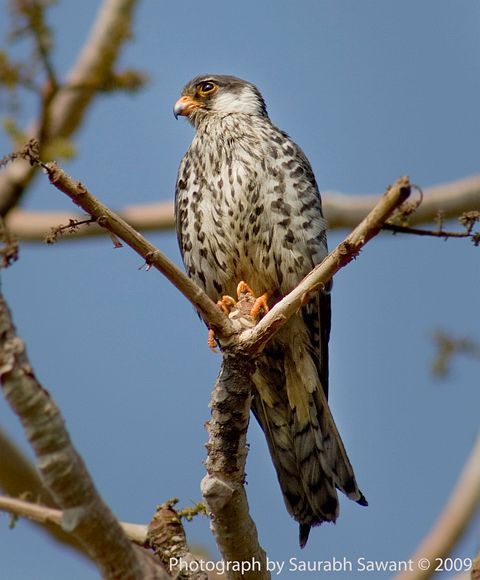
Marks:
<point>317,318</point>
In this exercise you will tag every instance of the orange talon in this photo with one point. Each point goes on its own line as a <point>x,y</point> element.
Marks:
<point>243,288</point>
<point>226,304</point>
<point>261,303</point>
<point>212,343</point>
<point>243,305</point>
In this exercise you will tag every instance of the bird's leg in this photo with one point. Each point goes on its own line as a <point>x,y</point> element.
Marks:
<point>261,303</point>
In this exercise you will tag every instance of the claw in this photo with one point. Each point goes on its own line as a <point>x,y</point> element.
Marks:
<point>261,303</point>
<point>245,297</point>
<point>226,304</point>
<point>212,343</point>
<point>243,288</point>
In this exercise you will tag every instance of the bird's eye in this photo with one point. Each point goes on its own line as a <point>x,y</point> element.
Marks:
<point>206,88</point>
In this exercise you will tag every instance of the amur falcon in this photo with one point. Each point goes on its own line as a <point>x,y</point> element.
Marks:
<point>248,210</point>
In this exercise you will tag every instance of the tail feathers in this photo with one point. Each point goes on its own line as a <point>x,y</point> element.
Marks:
<point>306,448</point>
<point>341,468</point>
<point>304,532</point>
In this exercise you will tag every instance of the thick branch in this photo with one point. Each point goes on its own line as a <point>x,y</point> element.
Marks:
<point>341,210</point>
<point>453,521</point>
<point>166,537</point>
<point>62,469</point>
<point>223,489</point>
<point>68,107</point>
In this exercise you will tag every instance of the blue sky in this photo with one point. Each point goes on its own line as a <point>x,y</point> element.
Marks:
<point>371,90</point>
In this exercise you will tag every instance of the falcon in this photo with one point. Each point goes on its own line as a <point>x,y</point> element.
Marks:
<point>248,211</point>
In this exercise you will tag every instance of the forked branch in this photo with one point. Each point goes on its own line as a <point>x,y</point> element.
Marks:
<point>223,487</point>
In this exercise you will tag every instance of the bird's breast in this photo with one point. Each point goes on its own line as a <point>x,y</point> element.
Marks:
<point>240,216</point>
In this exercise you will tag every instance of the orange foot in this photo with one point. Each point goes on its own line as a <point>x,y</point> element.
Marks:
<point>260,304</point>
<point>227,303</point>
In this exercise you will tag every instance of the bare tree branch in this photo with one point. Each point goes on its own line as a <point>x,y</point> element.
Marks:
<point>342,211</point>
<point>17,474</point>
<point>254,340</point>
<point>452,199</point>
<point>62,469</point>
<point>46,515</point>
<point>453,521</point>
<point>65,109</point>
<point>112,27</point>
<point>34,226</point>
<point>165,534</point>
<point>223,486</point>
<point>439,233</point>
<point>110,221</point>
<point>166,537</point>
<point>18,477</point>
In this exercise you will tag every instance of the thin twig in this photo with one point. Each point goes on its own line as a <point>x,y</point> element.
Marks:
<point>398,229</point>
<point>110,221</point>
<point>68,107</point>
<point>43,514</point>
<point>254,340</point>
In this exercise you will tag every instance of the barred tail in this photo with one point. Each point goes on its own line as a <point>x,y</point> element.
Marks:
<point>306,448</point>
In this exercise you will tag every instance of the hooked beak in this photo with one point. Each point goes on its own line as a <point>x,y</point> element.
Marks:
<point>184,106</point>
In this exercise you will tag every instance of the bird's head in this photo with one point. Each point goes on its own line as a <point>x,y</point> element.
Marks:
<point>219,94</point>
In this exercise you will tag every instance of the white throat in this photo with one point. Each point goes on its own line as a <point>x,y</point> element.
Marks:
<point>244,102</point>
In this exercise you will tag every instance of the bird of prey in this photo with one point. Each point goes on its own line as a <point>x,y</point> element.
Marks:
<point>248,210</point>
